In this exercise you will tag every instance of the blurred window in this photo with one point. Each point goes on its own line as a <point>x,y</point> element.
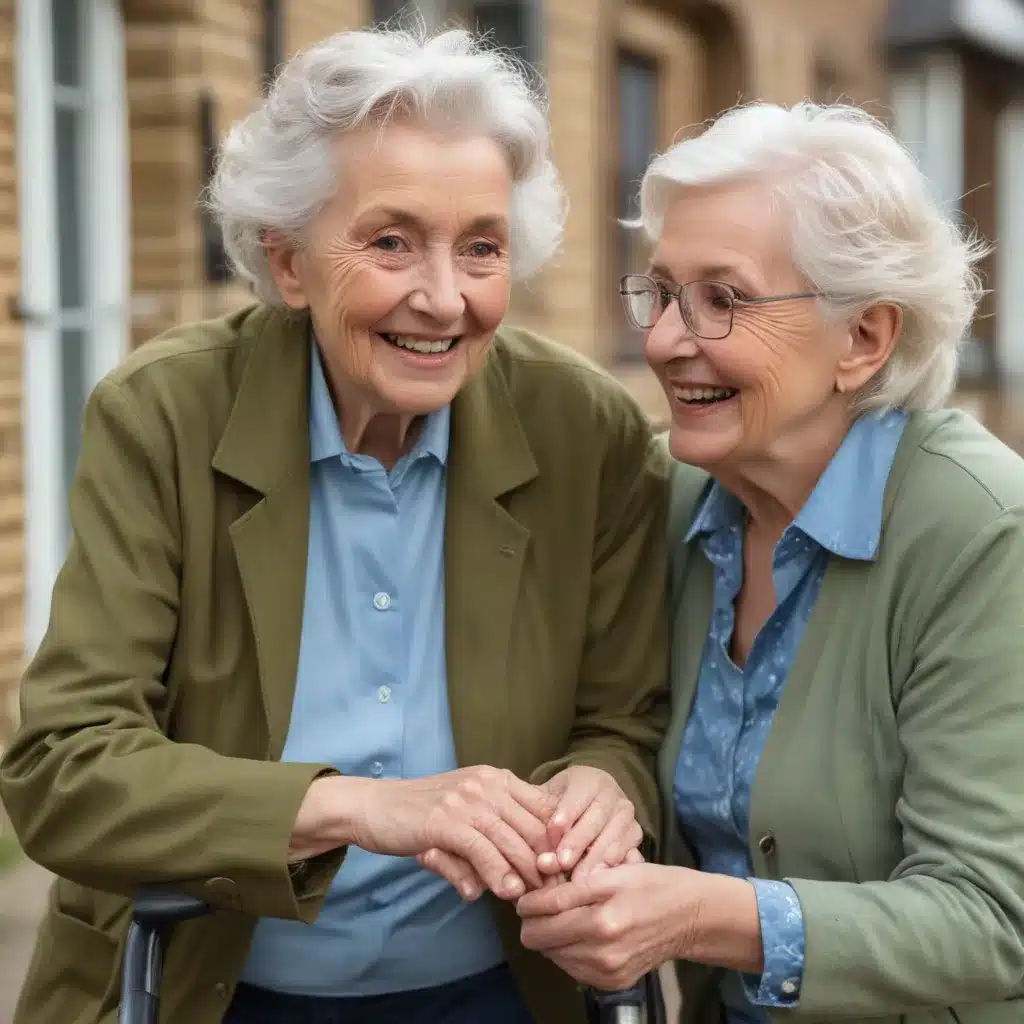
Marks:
<point>637,83</point>
<point>273,41</point>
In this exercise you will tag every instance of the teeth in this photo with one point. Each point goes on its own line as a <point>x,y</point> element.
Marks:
<point>414,345</point>
<point>704,394</point>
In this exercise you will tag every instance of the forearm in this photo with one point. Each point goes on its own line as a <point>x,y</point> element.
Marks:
<point>725,930</point>
<point>888,947</point>
<point>116,810</point>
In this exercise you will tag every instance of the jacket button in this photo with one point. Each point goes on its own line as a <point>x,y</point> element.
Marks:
<point>766,844</point>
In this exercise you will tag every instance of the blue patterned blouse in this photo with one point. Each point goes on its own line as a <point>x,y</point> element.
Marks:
<point>733,707</point>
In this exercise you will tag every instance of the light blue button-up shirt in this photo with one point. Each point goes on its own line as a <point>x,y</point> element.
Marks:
<point>733,707</point>
<point>371,698</point>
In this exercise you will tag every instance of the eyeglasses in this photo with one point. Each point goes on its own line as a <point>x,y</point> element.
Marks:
<point>706,306</point>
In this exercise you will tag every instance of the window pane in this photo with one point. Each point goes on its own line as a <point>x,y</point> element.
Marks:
<point>637,87</point>
<point>66,40</point>
<point>638,125</point>
<point>69,207</point>
<point>73,387</point>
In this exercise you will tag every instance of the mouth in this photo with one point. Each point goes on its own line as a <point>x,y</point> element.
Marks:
<point>698,398</point>
<point>421,346</point>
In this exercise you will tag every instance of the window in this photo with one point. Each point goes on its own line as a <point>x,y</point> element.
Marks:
<point>637,81</point>
<point>273,41</point>
<point>216,266</point>
<point>385,10</point>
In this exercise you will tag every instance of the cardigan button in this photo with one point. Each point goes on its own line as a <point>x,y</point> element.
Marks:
<point>766,844</point>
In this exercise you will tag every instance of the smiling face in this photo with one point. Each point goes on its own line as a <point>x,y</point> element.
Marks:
<point>406,271</point>
<point>758,393</point>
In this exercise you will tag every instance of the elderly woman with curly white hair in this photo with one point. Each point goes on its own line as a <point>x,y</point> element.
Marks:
<point>842,777</point>
<point>356,574</point>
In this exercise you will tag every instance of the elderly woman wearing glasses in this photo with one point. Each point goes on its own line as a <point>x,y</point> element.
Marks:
<point>843,774</point>
<point>365,593</point>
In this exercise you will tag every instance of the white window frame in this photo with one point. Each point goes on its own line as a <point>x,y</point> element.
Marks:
<point>105,240</point>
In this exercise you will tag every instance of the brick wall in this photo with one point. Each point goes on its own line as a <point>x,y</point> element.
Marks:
<point>11,464</point>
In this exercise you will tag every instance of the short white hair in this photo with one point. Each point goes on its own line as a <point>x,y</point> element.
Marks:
<point>275,170</point>
<point>865,228</point>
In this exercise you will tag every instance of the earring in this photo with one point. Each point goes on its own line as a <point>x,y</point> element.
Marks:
<point>839,387</point>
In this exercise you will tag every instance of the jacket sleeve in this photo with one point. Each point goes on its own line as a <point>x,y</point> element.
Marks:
<point>94,789</point>
<point>622,692</point>
<point>947,927</point>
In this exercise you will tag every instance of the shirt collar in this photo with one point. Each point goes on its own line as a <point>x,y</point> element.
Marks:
<point>325,440</point>
<point>844,512</point>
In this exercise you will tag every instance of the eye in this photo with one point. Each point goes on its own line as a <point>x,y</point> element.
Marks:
<point>389,243</point>
<point>665,296</point>
<point>481,250</point>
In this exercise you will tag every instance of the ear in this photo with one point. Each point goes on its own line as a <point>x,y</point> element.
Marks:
<point>285,259</point>
<point>873,336</point>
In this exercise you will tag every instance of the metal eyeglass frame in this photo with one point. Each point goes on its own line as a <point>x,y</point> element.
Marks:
<point>677,294</point>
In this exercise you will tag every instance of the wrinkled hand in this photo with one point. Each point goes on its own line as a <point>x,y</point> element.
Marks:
<point>475,817</point>
<point>593,824</point>
<point>609,928</point>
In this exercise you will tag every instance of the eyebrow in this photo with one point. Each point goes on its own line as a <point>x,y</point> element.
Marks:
<point>486,223</point>
<point>709,272</point>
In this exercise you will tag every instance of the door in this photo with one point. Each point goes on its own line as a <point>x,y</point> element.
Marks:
<point>73,184</point>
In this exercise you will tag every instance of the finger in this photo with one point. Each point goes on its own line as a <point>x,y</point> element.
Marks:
<point>458,872</point>
<point>584,833</point>
<point>579,794</point>
<point>514,848</point>
<point>485,858</point>
<point>634,856</point>
<point>539,801</point>
<point>526,823</point>
<point>558,899</point>
<point>609,849</point>
<point>558,931</point>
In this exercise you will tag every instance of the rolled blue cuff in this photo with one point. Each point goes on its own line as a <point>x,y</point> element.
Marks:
<point>782,937</point>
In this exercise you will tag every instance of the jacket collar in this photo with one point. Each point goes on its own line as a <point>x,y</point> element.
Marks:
<point>267,434</point>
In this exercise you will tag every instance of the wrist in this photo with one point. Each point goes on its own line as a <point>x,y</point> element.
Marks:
<point>722,926</point>
<point>332,814</point>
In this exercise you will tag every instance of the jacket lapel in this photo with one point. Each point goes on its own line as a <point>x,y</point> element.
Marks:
<point>265,446</point>
<point>485,549</point>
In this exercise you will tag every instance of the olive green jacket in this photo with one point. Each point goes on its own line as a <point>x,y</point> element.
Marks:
<point>891,788</point>
<point>155,711</point>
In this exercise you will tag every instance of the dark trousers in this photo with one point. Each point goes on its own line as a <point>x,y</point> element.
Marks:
<point>489,998</point>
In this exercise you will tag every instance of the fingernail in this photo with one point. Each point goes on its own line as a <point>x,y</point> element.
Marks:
<point>547,860</point>
<point>565,857</point>
<point>469,892</point>
<point>512,885</point>
<point>557,818</point>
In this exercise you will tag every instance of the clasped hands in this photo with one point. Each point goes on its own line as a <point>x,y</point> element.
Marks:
<point>566,852</point>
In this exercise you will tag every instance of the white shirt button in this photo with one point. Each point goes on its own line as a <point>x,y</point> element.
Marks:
<point>376,769</point>
<point>384,694</point>
<point>381,601</point>
<point>790,986</point>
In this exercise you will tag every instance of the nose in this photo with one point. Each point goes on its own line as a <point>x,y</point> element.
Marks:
<point>670,339</point>
<point>439,294</point>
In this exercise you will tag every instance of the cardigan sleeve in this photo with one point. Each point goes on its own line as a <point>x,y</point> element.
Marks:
<point>947,927</point>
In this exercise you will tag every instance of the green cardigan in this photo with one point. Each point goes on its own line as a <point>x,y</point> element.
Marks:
<point>891,788</point>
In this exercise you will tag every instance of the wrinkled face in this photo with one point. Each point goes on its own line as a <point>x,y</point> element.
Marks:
<point>756,393</point>
<point>406,271</point>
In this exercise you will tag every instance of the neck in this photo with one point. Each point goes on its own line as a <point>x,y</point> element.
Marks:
<point>365,427</point>
<point>776,487</point>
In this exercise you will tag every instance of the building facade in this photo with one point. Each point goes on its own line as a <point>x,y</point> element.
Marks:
<point>110,111</point>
